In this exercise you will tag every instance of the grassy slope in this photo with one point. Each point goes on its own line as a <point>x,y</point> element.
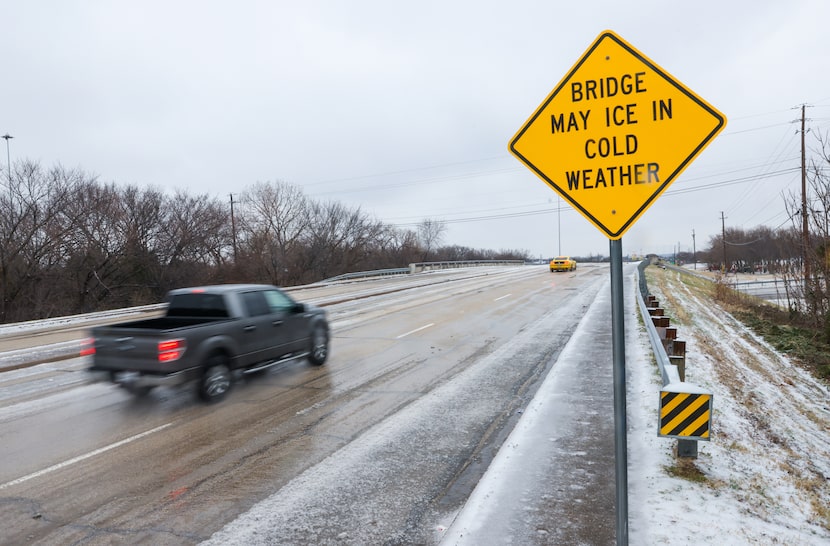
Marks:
<point>787,334</point>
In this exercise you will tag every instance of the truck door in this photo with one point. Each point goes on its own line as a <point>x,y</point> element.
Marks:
<point>290,326</point>
<point>256,338</point>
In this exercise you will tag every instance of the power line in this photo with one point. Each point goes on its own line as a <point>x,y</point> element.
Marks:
<point>741,180</point>
<point>746,195</point>
<point>474,216</point>
<point>520,214</point>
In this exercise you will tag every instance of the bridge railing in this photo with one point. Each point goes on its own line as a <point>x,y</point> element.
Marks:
<point>430,266</point>
<point>420,267</point>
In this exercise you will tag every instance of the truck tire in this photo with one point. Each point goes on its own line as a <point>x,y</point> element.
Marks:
<point>216,379</point>
<point>319,350</point>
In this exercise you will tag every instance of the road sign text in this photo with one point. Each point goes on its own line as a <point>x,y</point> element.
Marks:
<point>608,87</point>
<point>608,177</point>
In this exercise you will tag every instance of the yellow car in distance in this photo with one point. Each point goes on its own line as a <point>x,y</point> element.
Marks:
<point>562,263</point>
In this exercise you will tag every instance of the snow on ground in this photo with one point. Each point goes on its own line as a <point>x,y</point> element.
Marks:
<point>765,476</point>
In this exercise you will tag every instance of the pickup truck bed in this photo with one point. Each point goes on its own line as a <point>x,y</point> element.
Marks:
<point>161,324</point>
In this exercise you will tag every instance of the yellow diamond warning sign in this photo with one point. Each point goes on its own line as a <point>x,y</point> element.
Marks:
<point>614,133</point>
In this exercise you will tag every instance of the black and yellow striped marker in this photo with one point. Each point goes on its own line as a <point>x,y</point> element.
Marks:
<point>685,415</point>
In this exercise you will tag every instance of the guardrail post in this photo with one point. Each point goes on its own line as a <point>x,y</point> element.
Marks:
<point>679,348</point>
<point>661,323</point>
<point>669,336</point>
<point>680,363</point>
<point>677,356</point>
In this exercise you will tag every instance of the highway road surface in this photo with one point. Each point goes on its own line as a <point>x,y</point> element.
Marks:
<point>428,375</point>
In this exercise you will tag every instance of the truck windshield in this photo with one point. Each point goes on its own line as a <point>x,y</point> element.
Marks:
<point>279,302</point>
<point>197,305</point>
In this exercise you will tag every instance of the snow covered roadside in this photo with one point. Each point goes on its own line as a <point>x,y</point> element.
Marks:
<point>765,476</point>
<point>763,479</point>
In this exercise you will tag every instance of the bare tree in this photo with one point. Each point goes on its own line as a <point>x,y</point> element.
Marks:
<point>274,218</point>
<point>70,244</point>
<point>95,246</point>
<point>339,239</point>
<point>139,223</point>
<point>397,247</point>
<point>818,245</point>
<point>193,240</point>
<point>33,234</point>
<point>430,234</point>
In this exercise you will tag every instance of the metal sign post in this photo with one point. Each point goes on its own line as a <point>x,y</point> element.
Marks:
<point>610,138</point>
<point>620,421</point>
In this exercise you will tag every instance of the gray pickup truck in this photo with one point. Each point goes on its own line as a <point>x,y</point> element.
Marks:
<point>206,335</point>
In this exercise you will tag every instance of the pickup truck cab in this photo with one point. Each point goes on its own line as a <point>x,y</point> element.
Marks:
<point>206,335</point>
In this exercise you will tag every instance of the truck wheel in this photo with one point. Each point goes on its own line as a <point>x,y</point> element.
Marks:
<point>319,350</point>
<point>215,381</point>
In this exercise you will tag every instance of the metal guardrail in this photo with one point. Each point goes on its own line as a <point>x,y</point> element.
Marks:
<point>421,267</point>
<point>782,292</point>
<point>685,409</point>
<point>429,266</point>
<point>367,274</point>
<point>82,320</point>
<point>668,371</point>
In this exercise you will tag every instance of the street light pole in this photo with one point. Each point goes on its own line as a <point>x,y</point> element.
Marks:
<point>8,137</point>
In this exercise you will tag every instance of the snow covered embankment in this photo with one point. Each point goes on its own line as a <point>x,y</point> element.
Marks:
<point>765,476</point>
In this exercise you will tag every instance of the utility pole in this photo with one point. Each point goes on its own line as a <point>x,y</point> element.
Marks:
<point>805,227</point>
<point>233,231</point>
<point>694,250</point>
<point>723,238</point>
<point>8,137</point>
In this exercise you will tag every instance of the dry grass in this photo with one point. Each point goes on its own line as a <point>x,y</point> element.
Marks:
<point>788,333</point>
<point>687,470</point>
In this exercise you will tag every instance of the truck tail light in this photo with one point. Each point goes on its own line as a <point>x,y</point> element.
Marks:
<point>171,350</point>
<point>88,346</point>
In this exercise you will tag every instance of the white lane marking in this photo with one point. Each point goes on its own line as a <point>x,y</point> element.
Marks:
<point>502,297</point>
<point>80,458</point>
<point>416,330</point>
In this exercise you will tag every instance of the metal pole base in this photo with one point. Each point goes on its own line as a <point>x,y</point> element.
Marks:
<point>687,448</point>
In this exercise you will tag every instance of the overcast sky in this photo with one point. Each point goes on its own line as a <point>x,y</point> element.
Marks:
<point>406,108</point>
